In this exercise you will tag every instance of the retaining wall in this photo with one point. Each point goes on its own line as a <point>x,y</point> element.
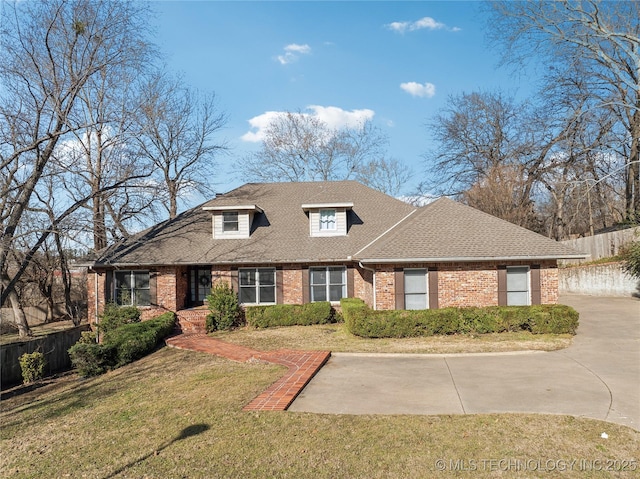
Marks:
<point>598,280</point>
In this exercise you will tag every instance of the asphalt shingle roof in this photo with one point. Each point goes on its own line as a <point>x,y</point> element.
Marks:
<point>448,231</point>
<point>381,229</point>
<point>280,234</point>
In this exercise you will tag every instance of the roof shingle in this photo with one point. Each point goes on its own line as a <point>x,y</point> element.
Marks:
<point>449,231</point>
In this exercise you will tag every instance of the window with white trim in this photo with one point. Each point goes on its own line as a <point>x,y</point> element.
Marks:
<point>415,289</point>
<point>328,284</point>
<point>257,285</point>
<point>518,286</point>
<point>132,288</point>
<point>229,221</point>
<point>328,220</point>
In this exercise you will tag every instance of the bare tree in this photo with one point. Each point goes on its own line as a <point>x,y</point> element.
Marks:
<point>104,151</point>
<point>477,134</point>
<point>178,126</point>
<point>504,157</point>
<point>301,147</point>
<point>51,49</point>
<point>601,40</point>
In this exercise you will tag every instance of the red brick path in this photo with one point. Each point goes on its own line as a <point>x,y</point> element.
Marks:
<point>302,366</point>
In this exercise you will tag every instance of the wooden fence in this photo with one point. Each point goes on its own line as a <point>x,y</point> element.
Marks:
<point>603,245</point>
<point>54,346</point>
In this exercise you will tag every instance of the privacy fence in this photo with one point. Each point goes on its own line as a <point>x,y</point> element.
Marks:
<point>54,346</point>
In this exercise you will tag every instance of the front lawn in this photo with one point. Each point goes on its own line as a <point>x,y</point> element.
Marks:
<point>336,338</point>
<point>177,414</point>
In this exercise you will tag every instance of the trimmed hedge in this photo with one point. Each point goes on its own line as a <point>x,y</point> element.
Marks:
<point>289,314</point>
<point>549,318</point>
<point>121,346</point>
<point>115,316</point>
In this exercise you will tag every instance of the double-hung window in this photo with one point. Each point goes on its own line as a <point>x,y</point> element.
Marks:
<point>229,221</point>
<point>257,285</point>
<point>518,286</point>
<point>328,220</point>
<point>415,289</point>
<point>132,288</point>
<point>328,284</point>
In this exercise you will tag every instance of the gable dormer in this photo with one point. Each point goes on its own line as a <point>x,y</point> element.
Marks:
<point>232,221</point>
<point>327,219</point>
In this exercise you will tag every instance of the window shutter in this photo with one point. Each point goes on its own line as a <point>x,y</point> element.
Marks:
<point>108,287</point>
<point>432,275</point>
<point>536,296</point>
<point>279,287</point>
<point>502,285</point>
<point>153,288</point>
<point>399,288</point>
<point>305,285</point>
<point>350,285</point>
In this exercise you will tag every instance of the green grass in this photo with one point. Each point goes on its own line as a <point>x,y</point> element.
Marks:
<point>336,338</point>
<point>177,414</point>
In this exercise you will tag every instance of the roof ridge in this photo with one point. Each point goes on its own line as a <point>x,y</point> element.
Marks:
<point>384,233</point>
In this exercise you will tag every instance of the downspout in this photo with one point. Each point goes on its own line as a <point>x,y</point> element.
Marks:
<point>95,298</point>
<point>375,306</point>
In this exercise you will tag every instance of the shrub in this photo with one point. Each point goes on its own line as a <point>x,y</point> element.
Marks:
<point>630,255</point>
<point>223,306</point>
<point>121,346</point>
<point>135,340</point>
<point>91,359</point>
<point>115,316</point>
<point>87,337</point>
<point>290,314</point>
<point>362,321</point>
<point>32,366</point>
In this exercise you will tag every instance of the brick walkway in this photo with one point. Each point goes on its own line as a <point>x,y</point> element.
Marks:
<point>302,366</point>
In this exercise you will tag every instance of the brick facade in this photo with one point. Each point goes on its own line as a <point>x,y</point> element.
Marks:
<point>465,284</point>
<point>459,285</point>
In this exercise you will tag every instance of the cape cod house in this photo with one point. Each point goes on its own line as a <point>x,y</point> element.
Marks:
<point>287,243</point>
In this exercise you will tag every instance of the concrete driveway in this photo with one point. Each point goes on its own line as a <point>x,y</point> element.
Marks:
<point>598,376</point>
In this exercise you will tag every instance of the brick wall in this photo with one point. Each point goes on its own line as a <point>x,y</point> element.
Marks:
<point>465,284</point>
<point>549,284</point>
<point>363,285</point>
<point>91,295</point>
<point>385,287</point>
<point>292,285</point>
<point>459,284</point>
<point>471,284</point>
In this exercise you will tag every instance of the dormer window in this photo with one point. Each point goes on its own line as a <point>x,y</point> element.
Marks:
<point>328,220</point>
<point>229,221</point>
<point>232,221</point>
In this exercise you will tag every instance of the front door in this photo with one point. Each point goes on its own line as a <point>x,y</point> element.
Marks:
<point>199,284</point>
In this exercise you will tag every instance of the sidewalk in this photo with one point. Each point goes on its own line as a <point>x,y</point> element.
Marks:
<point>301,365</point>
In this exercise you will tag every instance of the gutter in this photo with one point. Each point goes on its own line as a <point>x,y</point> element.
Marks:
<point>458,259</point>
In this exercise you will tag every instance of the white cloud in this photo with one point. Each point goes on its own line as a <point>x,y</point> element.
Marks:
<point>292,52</point>
<point>336,117</point>
<point>260,123</point>
<point>427,23</point>
<point>333,116</point>
<point>426,90</point>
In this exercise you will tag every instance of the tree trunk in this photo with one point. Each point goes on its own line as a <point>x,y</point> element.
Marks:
<point>18,313</point>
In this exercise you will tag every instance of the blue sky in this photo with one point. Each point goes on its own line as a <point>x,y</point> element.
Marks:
<point>393,62</point>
